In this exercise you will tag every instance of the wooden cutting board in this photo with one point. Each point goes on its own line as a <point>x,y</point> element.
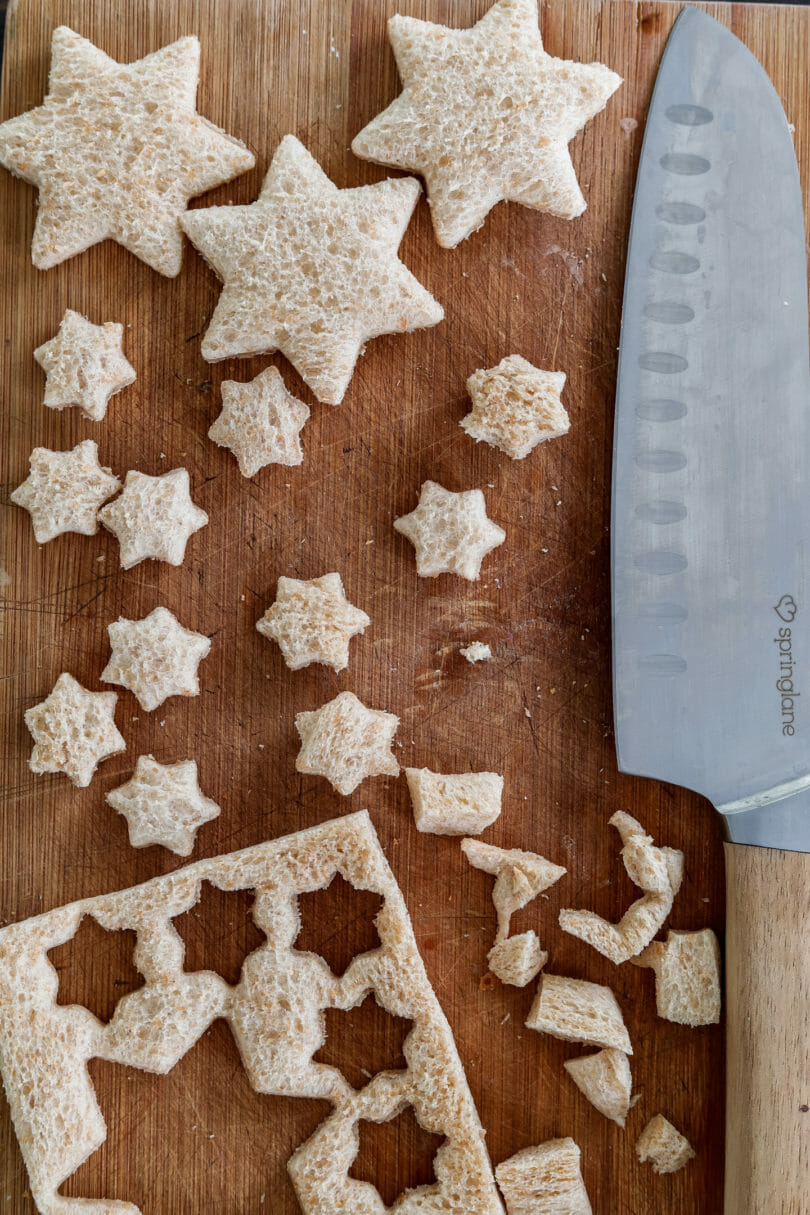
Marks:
<point>539,711</point>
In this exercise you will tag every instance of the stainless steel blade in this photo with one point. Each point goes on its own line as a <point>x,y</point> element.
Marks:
<point>711,471</point>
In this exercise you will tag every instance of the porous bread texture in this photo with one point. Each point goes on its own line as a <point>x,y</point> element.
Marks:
<point>260,422</point>
<point>153,518</point>
<point>346,742</point>
<point>485,115</point>
<point>515,406</point>
<point>605,1080</point>
<point>64,490</point>
<point>73,731</point>
<point>275,1012</point>
<point>311,270</point>
<point>687,976</point>
<point>117,150</point>
<point>450,532</point>
<point>578,1011</point>
<point>518,959</point>
<point>313,621</point>
<point>476,651</point>
<point>163,804</point>
<point>84,364</point>
<point>519,877</point>
<point>544,1180</point>
<point>454,804</point>
<point>155,657</point>
<point>666,1149</point>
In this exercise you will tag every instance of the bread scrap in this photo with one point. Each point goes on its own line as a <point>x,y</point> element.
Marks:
<point>155,657</point>
<point>517,960</point>
<point>117,150</point>
<point>275,1012</point>
<point>687,976</point>
<point>346,742</point>
<point>476,651</point>
<point>260,422</point>
<point>666,1149</point>
<point>450,532</point>
<point>454,804</point>
<point>520,877</point>
<point>163,804</point>
<point>84,364</point>
<point>485,115</point>
<point>544,1180</point>
<point>578,1011</point>
<point>515,406</point>
<point>311,270</point>
<point>313,621</point>
<point>605,1080</point>
<point>64,490</point>
<point>73,731</point>
<point>153,518</point>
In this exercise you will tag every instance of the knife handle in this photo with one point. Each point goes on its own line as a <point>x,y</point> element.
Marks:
<point>768,1031</point>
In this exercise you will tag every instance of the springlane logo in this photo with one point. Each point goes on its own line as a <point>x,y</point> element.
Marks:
<point>786,610</point>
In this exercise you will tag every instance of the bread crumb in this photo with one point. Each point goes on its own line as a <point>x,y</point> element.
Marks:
<point>666,1149</point>
<point>476,651</point>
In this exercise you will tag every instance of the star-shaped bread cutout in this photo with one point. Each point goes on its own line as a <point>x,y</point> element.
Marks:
<point>311,270</point>
<point>154,517</point>
<point>450,532</point>
<point>313,621</point>
<point>64,490</point>
<point>73,731</point>
<point>346,742</point>
<point>260,422</point>
<point>486,115</point>
<point>84,365</point>
<point>515,406</point>
<point>117,150</point>
<point>163,804</point>
<point>155,657</point>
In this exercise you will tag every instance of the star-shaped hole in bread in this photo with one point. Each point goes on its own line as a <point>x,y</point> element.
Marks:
<point>346,742</point>
<point>260,422</point>
<point>155,657</point>
<point>450,532</point>
<point>311,270</point>
<point>313,621</point>
<point>64,490</point>
<point>117,150</point>
<point>515,406</point>
<point>73,731</point>
<point>163,804</point>
<point>84,365</point>
<point>486,115</point>
<point>154,517</point>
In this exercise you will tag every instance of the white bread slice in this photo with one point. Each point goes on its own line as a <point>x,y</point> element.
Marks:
<point>687,976</point>
<point>666,1149</point>
<point>605,1080</point>
<point>520,877</point>
<point>518,959</point>
<point>463,803</point>
<point>544,1180</point>
<point>515,406</point>
<point>578,1011</point>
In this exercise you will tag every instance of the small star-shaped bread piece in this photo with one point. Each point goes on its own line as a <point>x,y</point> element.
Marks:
<point>313,622</point>
<point>84,365</point>
<point>155,657</point>
<point>346,742</point>
<point>450,532</point>
<point>486,115</point>
<point>154,517</point>
<point>260,422</point>
<point>516,406</point>
<point>117,150</point>
<point>163,804</point>
<point>73,730</point>
<point>311,270</point>
<point>64,490</point>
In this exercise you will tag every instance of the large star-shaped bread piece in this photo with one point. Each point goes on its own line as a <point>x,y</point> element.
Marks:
<point>84,365</point>
<point>450,532</point>
<point>73,730</point>
<point>260,422</point>
<point>346,742</point>
<point>155,657</point>
<point>154,517</point>
<point>117,150</point>
<point>64,490</point>
<point>515,406</point>
<point>486,115</point>
<point>311,270</point>
<point>313,621</point>
<point>163,804</point>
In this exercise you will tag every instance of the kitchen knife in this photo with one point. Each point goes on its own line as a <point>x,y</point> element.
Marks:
<point>711,553</point>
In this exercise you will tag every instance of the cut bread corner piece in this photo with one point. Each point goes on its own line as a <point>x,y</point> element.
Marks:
<point>578,1011</point>
<point>518,959</point>
<point>544,1180</point>
<point>520,877</point>
<point>663,1146</point>
<point>605,1079</point>
<point>464,803</point>
<point>687,976</point>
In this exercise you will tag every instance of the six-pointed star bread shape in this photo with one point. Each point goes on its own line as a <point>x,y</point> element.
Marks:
<point>84,365</point>
<point>153,517</point>
<point>346,742</point>
<point>163,804</point>
<point>313,621</point>
<point>485,115</point>
<point>73,730</point>
<point>64,490</point>
<point>117,150</point>
<point>155,657</point>
<point>450,532</point>
<point>515,406</point>
<point>311,270</point>
<point>260,422</point>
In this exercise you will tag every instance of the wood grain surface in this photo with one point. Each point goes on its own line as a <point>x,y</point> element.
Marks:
<point>540,711</point>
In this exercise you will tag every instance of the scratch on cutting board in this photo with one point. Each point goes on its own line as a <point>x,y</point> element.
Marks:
<point>573,264</point>
<point>628,125</point>
<point>5,576</point>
